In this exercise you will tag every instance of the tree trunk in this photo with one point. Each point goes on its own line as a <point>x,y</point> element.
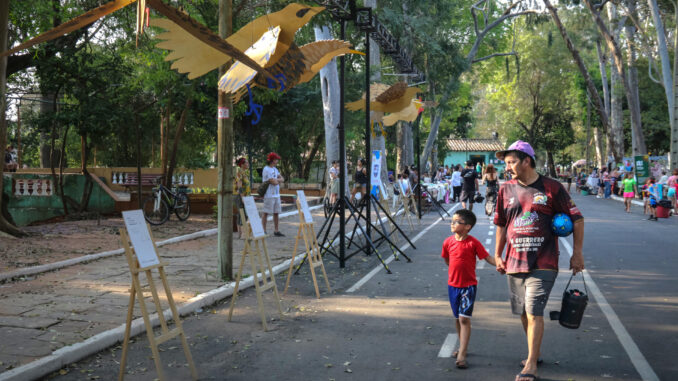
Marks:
<point>616,89</point>
<point>602,65</point>
<point>634,108</point>
<point>165,143</point>
<point>308,161</point>
<point>590,86</point>
<point>633,78</point>
<point>177,138</point>
<point>62,161</point>
<point>663,49</point>
<point>551,164</point>
<point>432,138</point>
<point>329,89</point>
<point>87,190</point>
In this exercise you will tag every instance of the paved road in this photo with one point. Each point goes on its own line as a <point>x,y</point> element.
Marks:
<point>396,325</point>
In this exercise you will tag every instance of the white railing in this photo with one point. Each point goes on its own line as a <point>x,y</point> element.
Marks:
<point>186,178</point>
<point>33,187</point>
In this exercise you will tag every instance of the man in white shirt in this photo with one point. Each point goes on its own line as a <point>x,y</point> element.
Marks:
<point>271,175</point>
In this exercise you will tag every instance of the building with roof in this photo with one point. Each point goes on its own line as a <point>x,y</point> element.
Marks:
<point>476,150</point>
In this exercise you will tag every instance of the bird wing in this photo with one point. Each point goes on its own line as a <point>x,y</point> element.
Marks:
<point>408,114</point>
<point>396,91</point>
<point>190,55</point>
<point>320,53</point>
<point>397,104</point>
<point>376,89</point>
<point>238,75</point>
<point>290,19</point>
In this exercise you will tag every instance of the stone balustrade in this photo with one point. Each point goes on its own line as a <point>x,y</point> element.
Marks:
<point>125,178</point>
<point>32,187</point>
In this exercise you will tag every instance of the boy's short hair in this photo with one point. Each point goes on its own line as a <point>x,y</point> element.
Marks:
<point>468,216</point>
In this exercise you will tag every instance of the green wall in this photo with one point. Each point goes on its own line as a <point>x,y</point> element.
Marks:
<point>29,209</point>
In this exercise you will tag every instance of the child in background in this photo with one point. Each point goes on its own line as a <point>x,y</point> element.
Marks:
<point>460,252</point>
<point>653,197</point>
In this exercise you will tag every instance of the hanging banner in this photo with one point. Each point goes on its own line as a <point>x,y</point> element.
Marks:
<point>375,173</point>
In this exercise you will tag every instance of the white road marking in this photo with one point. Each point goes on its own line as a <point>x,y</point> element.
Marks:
<point>374,271</point>
<point>639,362</point>
<point>490,232</point>
<point>488,241</point>
<point>481,264</point>
<point>448,346</point>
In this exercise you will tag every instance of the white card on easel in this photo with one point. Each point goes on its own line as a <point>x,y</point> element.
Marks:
<point>384,195</point>
<point>141,239</point>
<point>304,206</point>
<point>253,217</point>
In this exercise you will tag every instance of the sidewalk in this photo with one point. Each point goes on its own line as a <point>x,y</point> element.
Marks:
<point>65,307</point>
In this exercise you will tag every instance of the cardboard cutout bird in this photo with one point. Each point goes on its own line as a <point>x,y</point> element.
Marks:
<point>194,57</point>
<point>298,66</point>
<point>408,114</point>
<point>391,100</point>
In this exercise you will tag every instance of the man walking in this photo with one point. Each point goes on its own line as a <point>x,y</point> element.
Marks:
<point>525,206</point>
<point>272,205</point>
<point>469,185</point>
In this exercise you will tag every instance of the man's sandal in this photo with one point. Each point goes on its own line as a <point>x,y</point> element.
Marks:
<point>526,376</point>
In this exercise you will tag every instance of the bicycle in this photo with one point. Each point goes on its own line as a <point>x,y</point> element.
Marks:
<point>162,202</point>
<point>327,206</point>
<point>490,202</point>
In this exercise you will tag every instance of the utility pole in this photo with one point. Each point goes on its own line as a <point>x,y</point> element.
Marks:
<point>225,158</point>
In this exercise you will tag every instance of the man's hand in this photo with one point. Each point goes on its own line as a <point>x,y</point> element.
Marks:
<point>499,263</point>
<point>576,263</point>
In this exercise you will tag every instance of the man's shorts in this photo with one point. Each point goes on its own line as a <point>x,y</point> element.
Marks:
<point>467,196</point>
<point>530,291</point>
<point>272,205</point>
<point>462,300</point>
<point>653,202</point>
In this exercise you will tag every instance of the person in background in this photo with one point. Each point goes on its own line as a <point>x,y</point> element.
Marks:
<point>629,189</point>
<point>359,180</point>
<point>469,186</point>
<point>272,197</point>
<point>672,184</point>
<point>663,181</point>
<point>10,162</point>
<point>334,181</point>
<point>490,179</point>
<point>456,183</point>
<point>241,188</point>
<point>653,197</point>
<point>568,179</point>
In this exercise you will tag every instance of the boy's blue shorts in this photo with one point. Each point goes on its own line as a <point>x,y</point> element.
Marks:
<point>462,300</point>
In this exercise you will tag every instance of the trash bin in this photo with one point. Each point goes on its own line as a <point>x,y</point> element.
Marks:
<point>663,208</point>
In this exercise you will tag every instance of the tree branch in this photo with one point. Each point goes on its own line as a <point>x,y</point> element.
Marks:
<point>494,55</point>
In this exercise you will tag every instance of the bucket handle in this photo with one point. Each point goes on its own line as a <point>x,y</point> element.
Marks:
<point>582,277</point>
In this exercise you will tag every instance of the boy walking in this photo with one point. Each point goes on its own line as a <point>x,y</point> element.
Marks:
<point>460,251</point>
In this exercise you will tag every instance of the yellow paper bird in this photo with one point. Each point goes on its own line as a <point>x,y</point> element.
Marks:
<point>391,100</point>
<point>299,65</point>
<point>192,56</point>
<point>408,114</point>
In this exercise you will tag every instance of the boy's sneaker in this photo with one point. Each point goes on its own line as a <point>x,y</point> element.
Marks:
<point>278,234</point>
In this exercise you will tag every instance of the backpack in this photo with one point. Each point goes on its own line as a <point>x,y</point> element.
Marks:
<point>263,187</point>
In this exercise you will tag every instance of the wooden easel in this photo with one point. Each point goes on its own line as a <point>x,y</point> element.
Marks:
<point>384,203</point>
<point>137,292</point>
<point>253,250</point>
<point>313,256</point>
<point>407,202</point>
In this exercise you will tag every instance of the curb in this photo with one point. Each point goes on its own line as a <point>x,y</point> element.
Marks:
<point>8,276</point>
<point>634,202</point>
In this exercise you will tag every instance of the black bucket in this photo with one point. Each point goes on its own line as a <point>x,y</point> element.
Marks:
<point>574,304</point>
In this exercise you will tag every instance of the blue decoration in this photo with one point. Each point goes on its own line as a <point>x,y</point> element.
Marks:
<point>281,80</point>
<point>561,225</point>
<point>254,108</point>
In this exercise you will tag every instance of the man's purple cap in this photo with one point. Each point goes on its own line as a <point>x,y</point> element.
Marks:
<point>518,145</point>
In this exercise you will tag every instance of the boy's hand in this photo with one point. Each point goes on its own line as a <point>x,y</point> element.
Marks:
<point>499,263</point>
<point>576,263</point>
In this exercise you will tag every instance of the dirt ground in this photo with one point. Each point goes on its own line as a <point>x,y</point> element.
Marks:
<point>58,241</point>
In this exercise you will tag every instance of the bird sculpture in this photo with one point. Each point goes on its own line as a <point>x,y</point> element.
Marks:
<point>194,57</point>
<point>386,99</point>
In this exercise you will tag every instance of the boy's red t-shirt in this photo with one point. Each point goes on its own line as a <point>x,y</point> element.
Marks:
<point>462,257</point>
